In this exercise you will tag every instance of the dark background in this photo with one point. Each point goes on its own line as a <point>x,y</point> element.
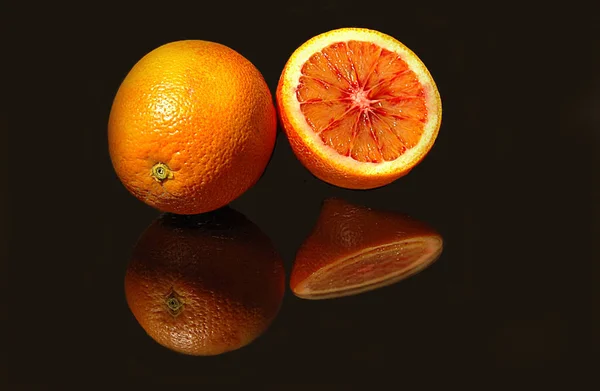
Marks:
<point>511,184</point>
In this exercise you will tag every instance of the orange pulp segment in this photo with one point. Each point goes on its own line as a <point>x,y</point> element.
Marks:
<point>362,100</point>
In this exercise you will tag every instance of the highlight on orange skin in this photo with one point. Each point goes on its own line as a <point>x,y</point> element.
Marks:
<point>354,249</point>
<point>204,284</point>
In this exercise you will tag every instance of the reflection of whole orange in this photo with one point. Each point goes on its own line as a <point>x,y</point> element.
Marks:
<point>353,249</point>
<point>204,285</point>
<point>192,127</point>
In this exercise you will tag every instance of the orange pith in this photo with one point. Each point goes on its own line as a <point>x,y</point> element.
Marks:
<point>362,100</point>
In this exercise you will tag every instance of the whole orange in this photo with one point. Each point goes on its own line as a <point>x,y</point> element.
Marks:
<point>192,127</point>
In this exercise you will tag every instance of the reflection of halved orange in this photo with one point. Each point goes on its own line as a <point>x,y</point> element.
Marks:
<point>354,249</point>
<point>360,109</point>
<point>206,284</point>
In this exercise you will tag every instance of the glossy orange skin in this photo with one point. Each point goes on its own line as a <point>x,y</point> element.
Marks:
<point>201,109</point>
<point>343,230</point>
<point>222,268</point>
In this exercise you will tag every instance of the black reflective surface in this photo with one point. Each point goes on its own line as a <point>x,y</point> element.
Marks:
<point>511,185</point>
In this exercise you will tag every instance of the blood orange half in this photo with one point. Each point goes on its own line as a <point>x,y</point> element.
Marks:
<point>360,109</point>
<point>354,249</point>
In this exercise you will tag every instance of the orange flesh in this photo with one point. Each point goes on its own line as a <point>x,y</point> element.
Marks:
<point>372,267</point>
<point>363,101</point>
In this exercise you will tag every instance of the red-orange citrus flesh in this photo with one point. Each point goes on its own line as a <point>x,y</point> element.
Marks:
<point>362,100</point>
<point>360,109</point>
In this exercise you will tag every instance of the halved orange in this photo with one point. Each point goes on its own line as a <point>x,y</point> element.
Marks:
<point>360,109</point>
<point>354,249</point>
